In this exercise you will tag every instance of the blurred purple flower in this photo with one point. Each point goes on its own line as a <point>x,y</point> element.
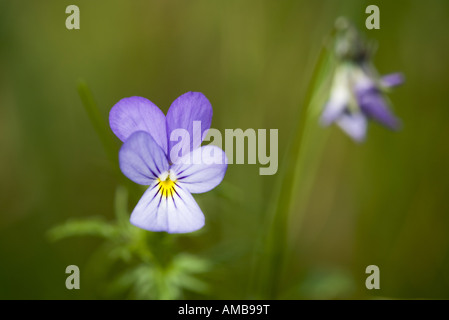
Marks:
<point>147,158</point>
<point>355,97</point>
<point>357,93</point>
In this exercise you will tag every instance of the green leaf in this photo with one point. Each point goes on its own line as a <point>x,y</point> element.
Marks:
<point>88,227</point>
<point>191,264</point>
<point>154,281</point>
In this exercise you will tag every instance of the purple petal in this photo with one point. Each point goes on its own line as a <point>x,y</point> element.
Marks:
<point>374,106</point>
<point>141,159</point>
<point>392,80</point>
<point>332,111</point>
<point>354,125</point>
<point>201,170</point>
<point>174,213</point>
<point>189,107</point>
<point>138,114</point>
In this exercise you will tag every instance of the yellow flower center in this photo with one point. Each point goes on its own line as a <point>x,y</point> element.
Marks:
<point>166,187</point>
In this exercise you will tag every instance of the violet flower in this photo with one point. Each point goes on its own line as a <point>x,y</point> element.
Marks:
<point>173,170</point>
<point>357,93</point>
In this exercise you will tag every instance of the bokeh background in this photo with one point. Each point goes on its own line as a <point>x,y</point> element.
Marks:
<point>383,202</point>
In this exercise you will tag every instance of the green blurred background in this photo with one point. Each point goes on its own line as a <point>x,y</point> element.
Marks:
<point>383,202</point>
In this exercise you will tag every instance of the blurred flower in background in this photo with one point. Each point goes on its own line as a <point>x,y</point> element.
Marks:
<point>357,92</point>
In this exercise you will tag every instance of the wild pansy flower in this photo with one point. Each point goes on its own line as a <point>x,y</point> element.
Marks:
<point>357,92</point>
<point>165,153</point>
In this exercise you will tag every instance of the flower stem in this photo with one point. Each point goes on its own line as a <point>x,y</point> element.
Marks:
<point>271,259</point>
<point>100,126</point>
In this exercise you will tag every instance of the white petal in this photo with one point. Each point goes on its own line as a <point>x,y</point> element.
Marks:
<point>201,170</point>
<point>354,125</point>
<point>184,214</point>
<point>339,99</point>
<point>150,211</point>
<point>178,213</point>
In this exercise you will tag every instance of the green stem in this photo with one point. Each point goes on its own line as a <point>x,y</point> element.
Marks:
<point>100,126</point>
<point>273,255</point>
